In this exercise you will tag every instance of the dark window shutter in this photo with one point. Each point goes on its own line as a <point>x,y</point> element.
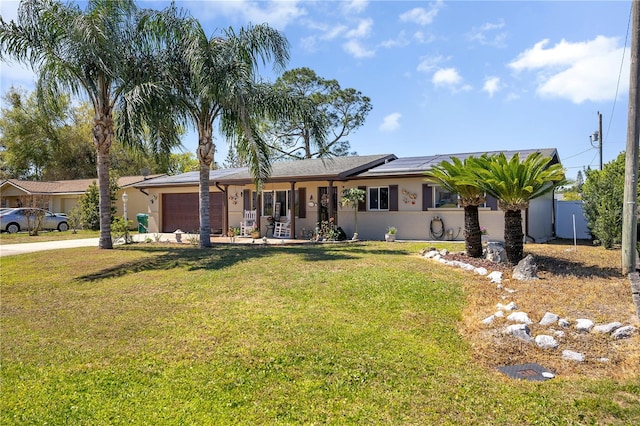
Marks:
<point>362,205</point>
<point>393,198</point>
<point>302,203</point>
<point>427,196</point>
<point>492,202</point>
<point>246,199</point>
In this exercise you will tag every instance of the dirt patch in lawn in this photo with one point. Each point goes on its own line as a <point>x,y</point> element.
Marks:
<point>582,282</point>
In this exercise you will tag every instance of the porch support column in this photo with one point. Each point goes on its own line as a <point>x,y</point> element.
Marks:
<point>258,207</point>
<point>225,208</point>
<point>331,206</point>
<point>292,203</point>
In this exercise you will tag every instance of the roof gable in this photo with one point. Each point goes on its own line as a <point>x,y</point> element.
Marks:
<point>75,186</point>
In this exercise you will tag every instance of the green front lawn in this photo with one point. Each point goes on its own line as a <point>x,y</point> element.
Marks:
<point>338,334</point>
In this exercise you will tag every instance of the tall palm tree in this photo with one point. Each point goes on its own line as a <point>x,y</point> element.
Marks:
<point>457,177</point>
<point>216,82</point>
<point>515,183</point>
<point>101,53</point>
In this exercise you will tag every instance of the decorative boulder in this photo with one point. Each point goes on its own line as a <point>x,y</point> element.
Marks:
<point>549,318</point>
<point>495,252</point>
<point>572,356</point>
<point>606,328</point>
<point>624,332</point>
<point>526,269</point>
<point>520,317</point>
<point>546,342</point>
<point>520,331</point>
<point>584,324</point>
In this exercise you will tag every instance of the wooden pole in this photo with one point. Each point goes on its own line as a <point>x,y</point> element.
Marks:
<point>629,209</point>
<point>600,136</point>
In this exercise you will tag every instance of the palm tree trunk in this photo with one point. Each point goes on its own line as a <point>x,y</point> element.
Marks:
<point>472,233</point>
<point>513,235</point>
<point>205,226</point>
<point>205,156</point>
<point>102,138</point>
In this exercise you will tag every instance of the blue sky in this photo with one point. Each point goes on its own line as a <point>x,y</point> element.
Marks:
<point>451,76</point>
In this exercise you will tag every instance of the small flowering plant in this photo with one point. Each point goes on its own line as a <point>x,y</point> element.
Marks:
<point>484,231</point>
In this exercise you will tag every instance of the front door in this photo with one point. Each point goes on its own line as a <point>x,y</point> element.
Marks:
<point>323,211</point>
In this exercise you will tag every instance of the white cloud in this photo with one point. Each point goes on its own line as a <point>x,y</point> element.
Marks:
<point>582,71</point>
<point>491,85</point>
<point>391,122</point>
<point>400,40</point>
<point>422,16</point>
<point>278,14</point>
<point>355,48</point>
<point>15,74</point>
<point>488,34</point>
<point>354,6</point>
<point>363,30</point>
<point>446,77</point>
<point>428,63</point>
<point>422,38</point>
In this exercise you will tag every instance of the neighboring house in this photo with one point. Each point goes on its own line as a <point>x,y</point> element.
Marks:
<point>62,196</point>
<point>396,195</point>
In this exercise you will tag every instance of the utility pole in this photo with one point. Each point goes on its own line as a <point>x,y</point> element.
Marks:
<point>597,137</point>
<point>601,137</point>
<point>629,209</point>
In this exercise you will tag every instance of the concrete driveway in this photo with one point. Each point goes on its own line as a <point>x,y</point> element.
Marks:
<point>13,249</point>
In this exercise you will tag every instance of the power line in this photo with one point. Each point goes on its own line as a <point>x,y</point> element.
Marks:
<point>615,99</point>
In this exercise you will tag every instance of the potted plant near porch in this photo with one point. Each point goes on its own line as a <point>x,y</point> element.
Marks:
<point>390,236</point>
<point>255,231</point>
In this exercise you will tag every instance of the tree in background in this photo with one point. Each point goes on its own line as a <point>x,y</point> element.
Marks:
<point>28,135</point>
<point>108,53</point>
<point>457,177</point>
<point>514,183</point>
<point>339,111</point>
<point>603,196</point>
<point>89,203</point>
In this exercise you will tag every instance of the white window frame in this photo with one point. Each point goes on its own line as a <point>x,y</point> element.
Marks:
<point>378,189</point>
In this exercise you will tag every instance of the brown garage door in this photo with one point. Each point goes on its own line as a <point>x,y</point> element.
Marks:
<point>181,211</point>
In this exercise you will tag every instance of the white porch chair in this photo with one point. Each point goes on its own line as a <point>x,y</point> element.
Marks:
<point>282,229</point>
<point>247,223</point>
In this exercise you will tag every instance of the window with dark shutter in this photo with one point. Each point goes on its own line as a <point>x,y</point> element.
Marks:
<point>246,199</point>
<point>302,203</point>
<point>393,198</point>
<point>492,202</point>
<point>362,205</point>
<point>427,196</point>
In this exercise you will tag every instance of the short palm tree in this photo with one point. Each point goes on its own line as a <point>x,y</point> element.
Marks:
<point>102,53</point>
<point>456,177</point>
<point>215,81</point>
<point>515,183</point>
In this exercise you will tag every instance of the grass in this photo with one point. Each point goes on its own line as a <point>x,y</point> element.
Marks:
<point>24,237</point>
<point>338,334</point>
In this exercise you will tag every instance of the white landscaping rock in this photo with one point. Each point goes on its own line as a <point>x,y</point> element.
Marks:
<point>606,328</point>
<point>559,334</point>
<point>520,317</point>
<point>495,277</point>
<point>624,332</point>
<point>549,318</point>
<point>520,331</point>
<point>499,314</point>
<point>564,322</point>
<point>546,342</point>
<point>489,320</point>
<point>431,254</point>
<point>572,356</point>
<point>481,271</point>
<point>583,324</point>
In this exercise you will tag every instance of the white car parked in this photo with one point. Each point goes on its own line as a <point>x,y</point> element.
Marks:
<point>19,219</point>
